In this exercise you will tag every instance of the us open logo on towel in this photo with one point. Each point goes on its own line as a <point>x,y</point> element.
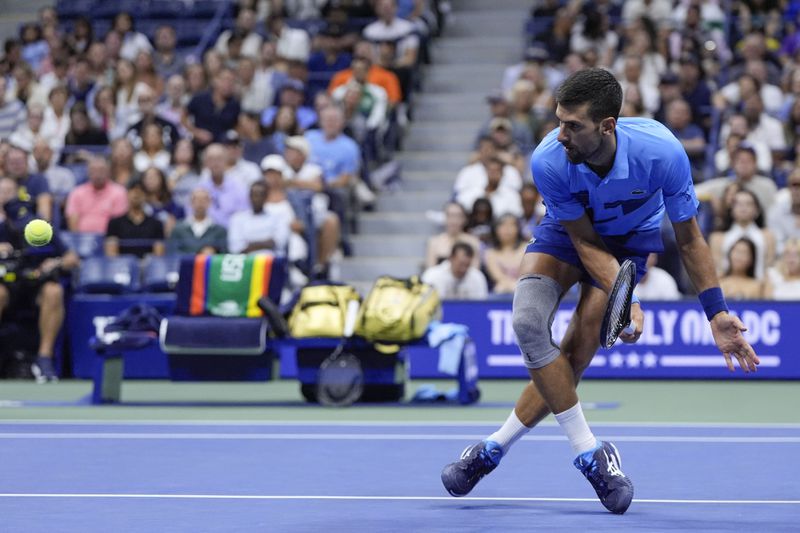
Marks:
<point>232,268</point>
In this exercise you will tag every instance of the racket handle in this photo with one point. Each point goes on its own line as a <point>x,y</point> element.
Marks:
<point>350,318</point>
<point>629,329</point>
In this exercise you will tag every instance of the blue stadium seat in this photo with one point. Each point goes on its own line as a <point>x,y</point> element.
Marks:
<point>108,275</point>
<point>70,9</point>
<point>108,10</point>
<point>301,203</point>
<point>160,274</point>
<point>83,244</point>
<point>206,8</point>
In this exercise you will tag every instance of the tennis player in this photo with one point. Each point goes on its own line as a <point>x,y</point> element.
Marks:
<point>606,183</point>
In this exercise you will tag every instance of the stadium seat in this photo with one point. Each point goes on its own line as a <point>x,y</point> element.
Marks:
<point>108,275</point>
<point>301,204</point>
<point>70,9</point>
<point>160,274</point>
<point>83,244</point>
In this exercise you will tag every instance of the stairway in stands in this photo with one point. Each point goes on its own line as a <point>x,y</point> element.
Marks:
<point>481,39</point>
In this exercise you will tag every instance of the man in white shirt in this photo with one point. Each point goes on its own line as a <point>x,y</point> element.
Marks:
<point>504,199</point>
<point>293,44</point>
<point>255,229</point>
<point>389,27</point>
<point>244,171</point>
<point>245,24</point>
<point>456,278</point>
<point>475,176</point>
<point>255,86</point>
<point>657,283</point>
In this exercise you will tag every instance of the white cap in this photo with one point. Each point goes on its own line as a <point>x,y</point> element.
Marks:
<point>299,143</point>
<point>273,162</point>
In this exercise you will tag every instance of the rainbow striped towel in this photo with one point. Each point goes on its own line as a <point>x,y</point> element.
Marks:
<point>229,285</point>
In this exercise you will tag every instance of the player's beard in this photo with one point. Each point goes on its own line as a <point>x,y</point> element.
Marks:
<point>577,156</point>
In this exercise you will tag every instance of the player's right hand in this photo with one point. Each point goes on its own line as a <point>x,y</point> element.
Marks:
<point>727,330</point>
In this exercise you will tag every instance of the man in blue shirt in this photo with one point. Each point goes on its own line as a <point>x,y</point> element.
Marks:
<point>606,183</point>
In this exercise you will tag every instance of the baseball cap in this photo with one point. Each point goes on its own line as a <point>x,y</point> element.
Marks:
<point>495,96</point>
<point>500,123</point>
<point>273,162</point>
<point>669,78</point>
<point>294,84</point>
<point>536,53</point>
<point>230,137</point>
<point>299,143</point>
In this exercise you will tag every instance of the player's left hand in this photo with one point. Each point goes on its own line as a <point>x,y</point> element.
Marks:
<point>637,318</point>
<point>727,330</point>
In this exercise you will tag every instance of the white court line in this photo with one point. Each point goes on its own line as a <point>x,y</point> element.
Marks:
<point>378,436</point>
<point>384,423</point>
<point>377,498</point>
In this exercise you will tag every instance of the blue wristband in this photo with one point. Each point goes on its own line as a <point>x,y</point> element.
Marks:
<point>635,300</point>
<point>713,302</point>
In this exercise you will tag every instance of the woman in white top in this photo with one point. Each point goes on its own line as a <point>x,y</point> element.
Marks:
<point>440,246</point>
<point>504,258</point>
<point>783,280</point>
<point>747,221</point>
<point>152,153</point>
<point>127,89</point>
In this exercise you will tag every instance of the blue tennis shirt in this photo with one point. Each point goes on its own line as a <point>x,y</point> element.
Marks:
<point>651,173</point>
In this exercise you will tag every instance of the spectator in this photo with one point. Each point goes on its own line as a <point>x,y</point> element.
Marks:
<point>135,232</point>
<point>278,207</point>
<point>740,281</point>
<point>55,120</point>
<point>737,125</point>
<point>440,246</point>
<point>745,173</point>
<point>82,35</point>
<point>255,86</point>
<point>34,48</point>
<point>166,60</point>
<point>104,114</point>
<point>81,83</point>
<point>228,195</point>
<point>389,27</point>
<point>255,229</point>
<point>30,130</point>
<point>764,128</point>
<point>536,56</point>
<point>81,131</point>
<point>455,278</point>
<point>255,144</point>
<point>12,112</point>
<point>783,218</point>
<point>42,288</point>
<point>285,125</point>
<point>175,100</point>
<point>532,208</point>
<point>25,87</point>
<point>783,280</point>
<point>92,205</point>
<point>34,193</point>
<point>292,44</point>
<point>127,89</point>
<point>292,95</point>
<point>300,174</point>
<point>60,180</point>
<point>329,57</point>
<point>100,65</point>
<point>632,77</point>
<point>747,221</point>
<point>211,114</point>
<point>480,220</point>
<point>679,122</point>
<point>245,25</point>
<point>504,257</point>
<point>183,175</point>
<point>504,199</point>
<point>196,79</point>
<point>198,234</point>
<point>475,175</point>
<point>59,75</point>
<point>146,72</point>
<point>657,283</point>
<point>159,200</point>
<point>152,152</point>
<point>133,42</point>
<point>123,170</point>
<point>523,114</point>
<point>500,107</point>
<point>593,32</point>
<point>240,169</point>
<point>376,74</point>
<point>695,89</point>
<point>147,116</point>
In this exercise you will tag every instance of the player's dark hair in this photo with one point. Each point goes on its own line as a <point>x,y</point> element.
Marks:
<point>595,86</point>
<point>751,270</point>
<point>463,247</point>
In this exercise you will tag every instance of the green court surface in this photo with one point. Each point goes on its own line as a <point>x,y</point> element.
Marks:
<point>706,402</point>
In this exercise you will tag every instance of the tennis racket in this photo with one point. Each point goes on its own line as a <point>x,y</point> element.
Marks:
<point>340,379</point>
<point>618,311</point>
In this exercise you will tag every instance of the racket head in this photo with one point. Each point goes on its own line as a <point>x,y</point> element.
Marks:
<point>618,310</point>
<point>340,379</point>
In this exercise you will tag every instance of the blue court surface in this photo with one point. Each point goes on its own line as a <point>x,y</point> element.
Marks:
<point>262,476</point>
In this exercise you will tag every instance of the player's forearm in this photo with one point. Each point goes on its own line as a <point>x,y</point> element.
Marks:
<point>696,256</point>
<point>599,262</point>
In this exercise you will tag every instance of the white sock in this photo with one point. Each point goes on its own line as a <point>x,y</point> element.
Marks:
<point>577,430</point>
<point>510,432</point>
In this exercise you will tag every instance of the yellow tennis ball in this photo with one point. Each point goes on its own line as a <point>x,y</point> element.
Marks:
<point>38,232</point>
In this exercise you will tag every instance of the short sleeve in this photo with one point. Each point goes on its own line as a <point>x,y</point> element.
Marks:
<point>555,191</point>
<point>678,187</point>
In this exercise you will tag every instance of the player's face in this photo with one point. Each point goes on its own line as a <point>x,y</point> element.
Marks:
<point>579,134</point>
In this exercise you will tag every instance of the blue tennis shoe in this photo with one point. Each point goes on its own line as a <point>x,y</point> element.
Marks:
<point>476,461</point>
<point>603,468</point>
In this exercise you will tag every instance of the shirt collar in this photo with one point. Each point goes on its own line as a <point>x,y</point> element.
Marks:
<point>619,170</point>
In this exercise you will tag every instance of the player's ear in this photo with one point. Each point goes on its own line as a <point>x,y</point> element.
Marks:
<point>607,126</point>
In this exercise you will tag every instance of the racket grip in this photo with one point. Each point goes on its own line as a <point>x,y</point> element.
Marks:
<point>350,317</point>
<point>629,329</point>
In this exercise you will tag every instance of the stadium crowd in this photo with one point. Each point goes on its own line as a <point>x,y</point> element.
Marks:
<point>723,76</point>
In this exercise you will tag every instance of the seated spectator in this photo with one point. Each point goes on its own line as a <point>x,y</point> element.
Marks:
<point>42,289</point>
<point>255,229</point>
<point>500,129</point>
<point>81,83</point>
<point>104,116</point>
<point>55,121</point>
<point>239,168</point>
<point>147,116</point>
<point>152,152</point>
<point>505,200</point>
<point>174,101</point>
<point>532,209</point>
<point>480,221</point>
<point>211,114</point>
<point>277,206</point>
<point>92,205</point>
<point>368,102</point>
<point>500,107</point>
<point>34,192</point>
<point>26,88</point>
<point>292,44</point>
<point>197,234</point>
<point>183,175</point>
<point>744,173</point>
<point>255,86</point>
<point>783,280</point>
<point>679,122</point>
<point>60,180</point>
<point>245,25</point>
<point>12,112</point>
<point>765,129</point>
<point>135,232</point>
<point>783,218</point>
<point>133,42</point>
<point>391,28</point>
<point>159,200</point>
<point>123,170</point>
<point>746,221</point>
<point>504,257</point>
<point>256,145</point>
<point>166,60</point>
<point>82,132</point>
<point>196,81</point>
<point>455,278</point>
<point>329,57</point>
<point>299,173</point>
<point>737,125</point>
<point>285,125</point>
<point>228,195</point>
<point>475,175</point>
<point>127,89</point>
<point>30,130</point>
<point>291,94</point>
<point>376,74</point>
<point>657,283</point>
<point>146,73</point>
<point>740,281</point>
<point>440,246</point>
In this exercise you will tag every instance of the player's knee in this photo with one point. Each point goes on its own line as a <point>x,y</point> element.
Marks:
<point>535,302</point>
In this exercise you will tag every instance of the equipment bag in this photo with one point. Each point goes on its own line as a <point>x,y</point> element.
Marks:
<point>320,310</point>
<point>398,310</point>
